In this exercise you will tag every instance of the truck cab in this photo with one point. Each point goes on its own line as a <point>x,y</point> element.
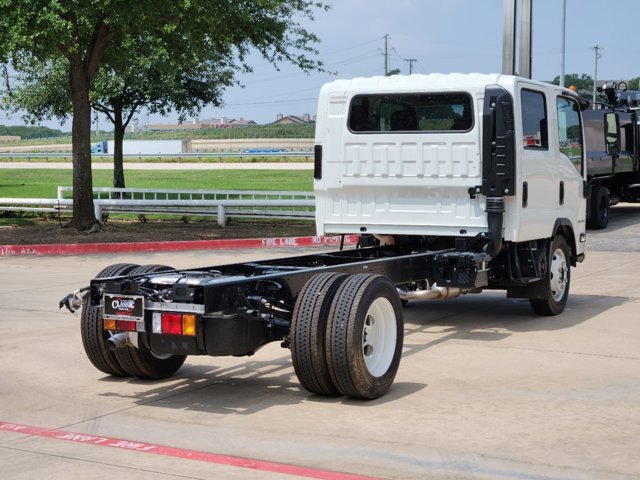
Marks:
<point>429,155</point>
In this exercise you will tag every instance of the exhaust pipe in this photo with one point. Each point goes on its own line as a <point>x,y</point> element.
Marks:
<point>433,293</point>
<point>494,208</point>
<point>119,340</point>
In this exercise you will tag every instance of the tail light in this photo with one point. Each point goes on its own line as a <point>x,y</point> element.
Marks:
<point>174,323</point>
<point>121,325</point>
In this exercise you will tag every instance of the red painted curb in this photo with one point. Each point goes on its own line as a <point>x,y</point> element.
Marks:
<point>101,248</point>
<point>213,458</point>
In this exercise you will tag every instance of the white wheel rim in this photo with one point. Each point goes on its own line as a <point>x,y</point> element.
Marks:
<point>379,336</point>
<point>162,356</point>
<point>559,273</point>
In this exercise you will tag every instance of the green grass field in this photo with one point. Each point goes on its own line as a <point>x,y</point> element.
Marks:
<point>254,131</point>
<point>26,183</point>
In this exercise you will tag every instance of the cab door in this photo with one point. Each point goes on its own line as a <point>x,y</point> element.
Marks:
<point>539,189</point>
<point>571,164</point>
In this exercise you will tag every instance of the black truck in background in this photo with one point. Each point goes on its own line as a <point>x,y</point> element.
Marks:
<point>612,138</point>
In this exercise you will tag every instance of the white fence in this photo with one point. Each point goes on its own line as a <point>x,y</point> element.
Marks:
<point>219,203</point>
<point>185,157</point>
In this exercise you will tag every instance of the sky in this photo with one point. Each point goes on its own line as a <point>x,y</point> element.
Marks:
<point>442,36</point>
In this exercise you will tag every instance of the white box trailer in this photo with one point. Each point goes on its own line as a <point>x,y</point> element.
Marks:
<point>455,184</point>
<point>149,147</point>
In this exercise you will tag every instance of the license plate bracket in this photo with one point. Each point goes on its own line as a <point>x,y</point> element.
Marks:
<point>123,307</point>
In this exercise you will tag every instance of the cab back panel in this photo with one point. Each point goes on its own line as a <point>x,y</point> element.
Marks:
<point>402,187</point>
<point>409,182</point>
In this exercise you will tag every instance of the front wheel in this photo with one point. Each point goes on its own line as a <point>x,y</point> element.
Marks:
<point>556,281</point>
<point>364,336</point>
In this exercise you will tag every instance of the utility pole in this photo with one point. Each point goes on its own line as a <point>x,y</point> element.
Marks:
<point>597,49</point>
<point>562,47</point>
<point>509,38</point>
<point>524,59</point>
<point>410,60</point>
<point>386,54</point>
<point>513,9</point>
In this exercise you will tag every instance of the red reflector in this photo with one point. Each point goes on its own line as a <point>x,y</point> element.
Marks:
<point>126,325</point>
<point>172,323</point>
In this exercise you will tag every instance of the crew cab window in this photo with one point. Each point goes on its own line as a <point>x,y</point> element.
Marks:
<point>413,112</point>
<point>535,133</point>
<point>570,130</point>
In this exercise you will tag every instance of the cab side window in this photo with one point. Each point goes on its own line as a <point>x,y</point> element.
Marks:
<point>535,133</point>
<point>570,130</point>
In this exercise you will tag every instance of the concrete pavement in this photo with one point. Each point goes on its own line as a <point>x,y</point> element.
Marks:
<point>486,389</point>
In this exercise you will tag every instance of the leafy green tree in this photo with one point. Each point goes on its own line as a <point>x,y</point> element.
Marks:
<point>143,77</point>
<point>162,83</point>
<point>91,38</point>
<point>634,84</point>
<point>26,132</point>
<point>583,83</point>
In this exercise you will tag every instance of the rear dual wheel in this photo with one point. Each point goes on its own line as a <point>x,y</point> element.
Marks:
<point>308,332</point>
<point>365,336</point>
<point>358,320</point>
<point>127,361</point>
<point>141,362</point>
<point>94,337</point>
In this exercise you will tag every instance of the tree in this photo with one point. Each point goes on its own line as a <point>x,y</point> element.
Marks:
<point>149,77</point>
<point>144,76</point>
<point>634,84</point>
<point>25,132</point>
<point>38,30</point>
<point>85,35</point>
<point>583,83</point>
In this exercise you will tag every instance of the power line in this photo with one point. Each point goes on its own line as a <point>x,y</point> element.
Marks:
<point>411,61</point>
<point>331,52</point>
<point>351,60</point>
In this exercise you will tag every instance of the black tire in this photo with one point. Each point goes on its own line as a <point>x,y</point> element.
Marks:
<point>141,362</point>
<point>364,336</point>
<point>309,331</point>
<point>94,337</point>
<point>556,281</point>
<point>599,214</point>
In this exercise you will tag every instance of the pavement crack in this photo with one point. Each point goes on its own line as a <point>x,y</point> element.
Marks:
<point>94,462</point>
<point>140,403</point>
<point>549,350</point>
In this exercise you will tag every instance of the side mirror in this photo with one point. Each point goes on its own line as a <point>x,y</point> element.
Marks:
<point>586,189</point>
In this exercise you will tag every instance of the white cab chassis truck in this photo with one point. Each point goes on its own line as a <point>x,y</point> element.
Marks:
<point>455,184</point>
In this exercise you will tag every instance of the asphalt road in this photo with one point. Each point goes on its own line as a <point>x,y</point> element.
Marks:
<point>486,389</point>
